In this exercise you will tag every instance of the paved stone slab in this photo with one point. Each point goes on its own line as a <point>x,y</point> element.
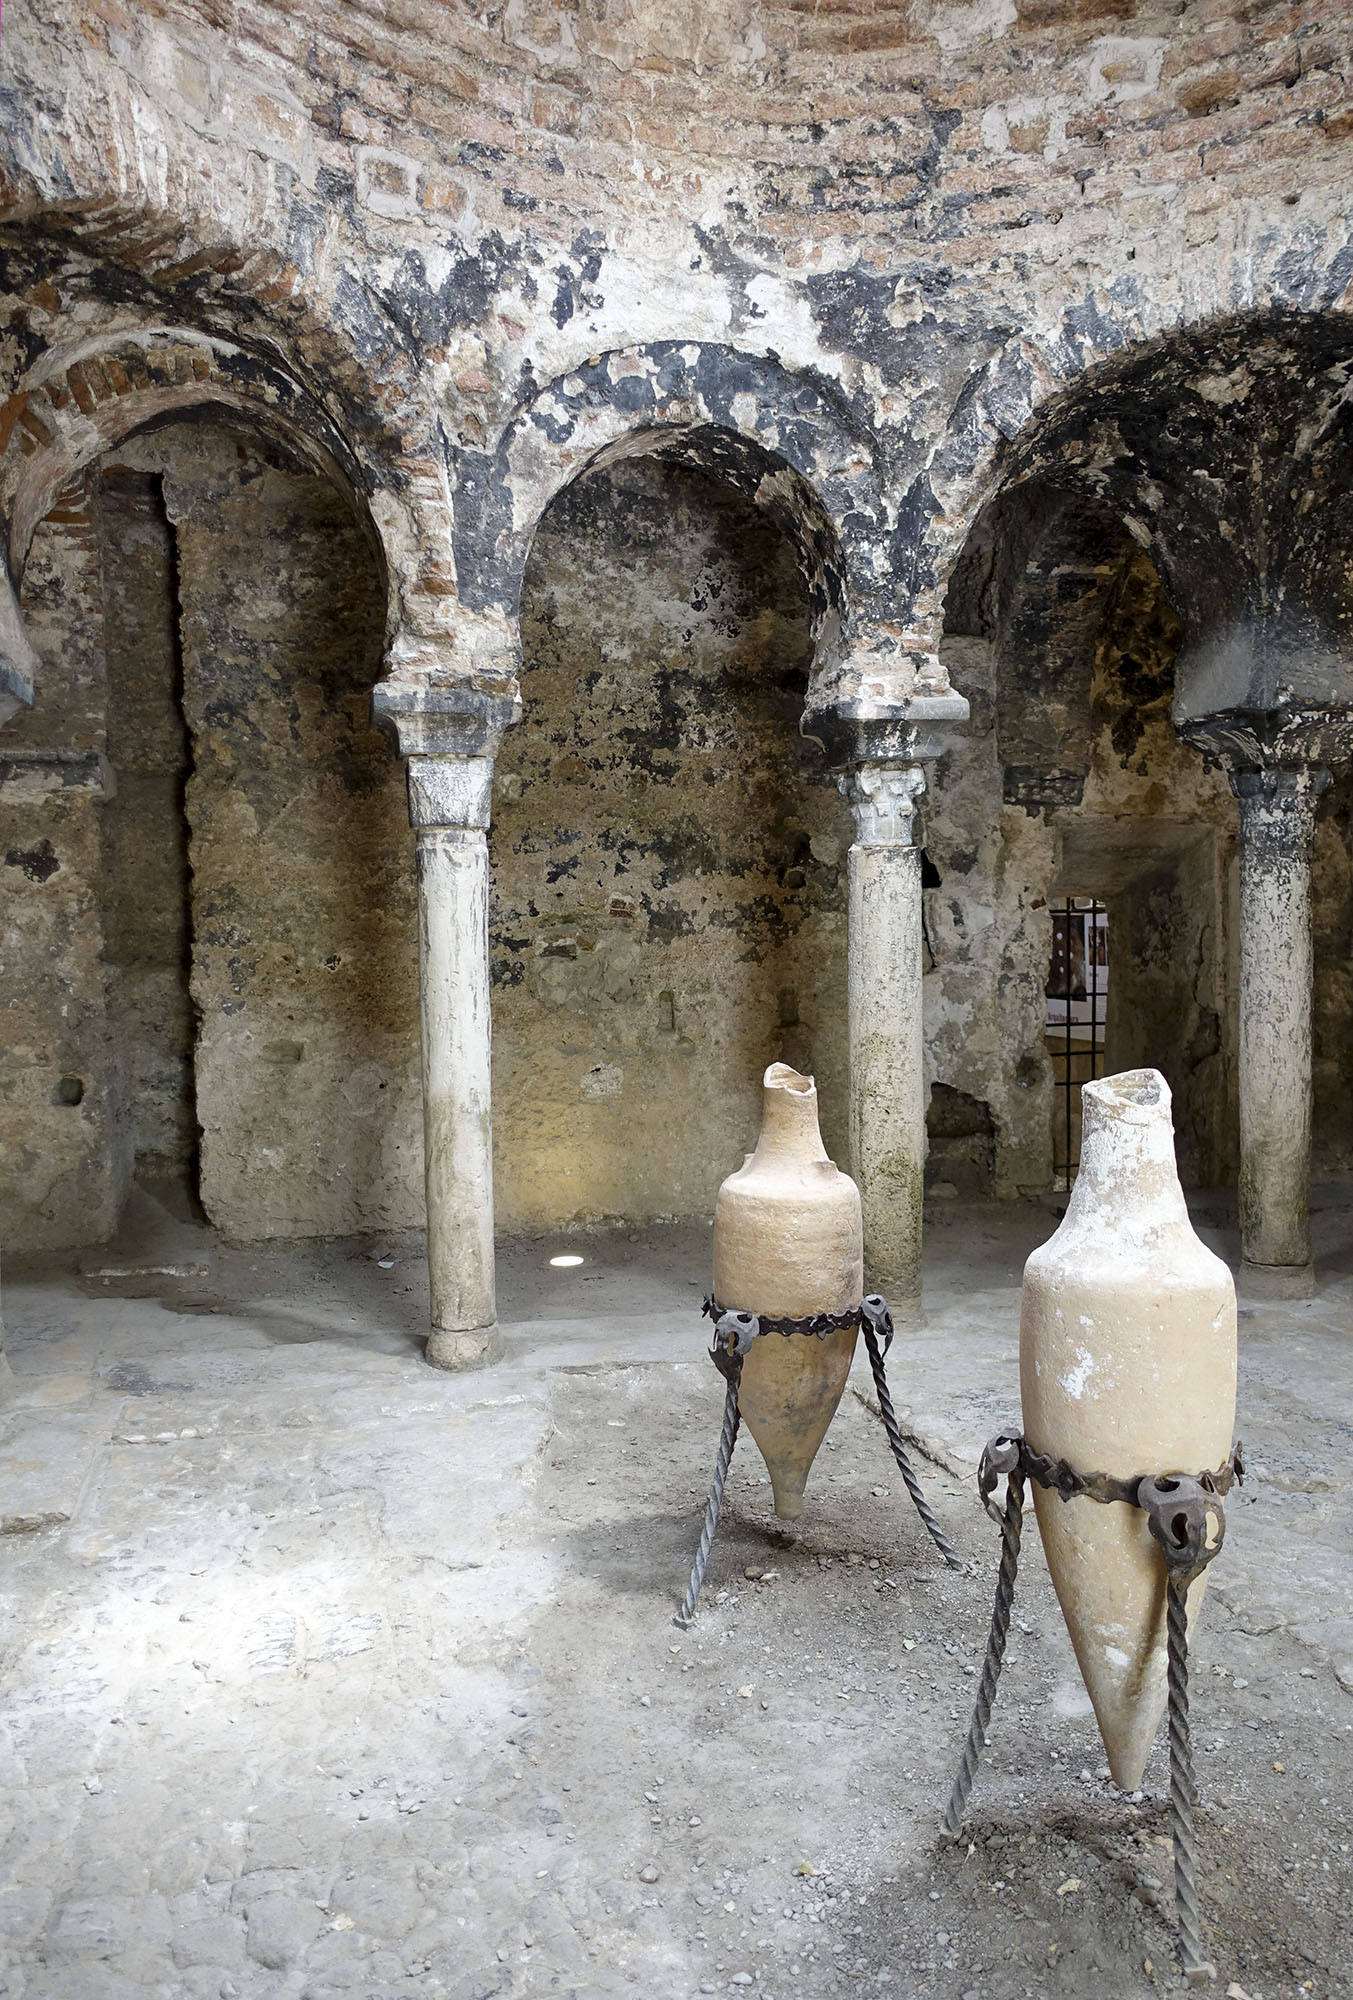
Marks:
<point>45,1460</point>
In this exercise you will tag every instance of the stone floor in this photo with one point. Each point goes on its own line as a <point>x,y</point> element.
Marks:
<point>324,1673</point>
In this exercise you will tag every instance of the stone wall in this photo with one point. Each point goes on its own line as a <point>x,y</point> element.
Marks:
<point>1332,922</point>
<point>145,887</point>
<point>1154,838</point>
<point>668,856</point>
<point>304,954</point>
<point>214,950</point>
<point>941,214</point>
<point>64,1162</point>
<point>216,945</point>
<point>1122,812</point>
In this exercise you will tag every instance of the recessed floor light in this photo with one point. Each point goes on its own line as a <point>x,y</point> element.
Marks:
<point>566,1263</point>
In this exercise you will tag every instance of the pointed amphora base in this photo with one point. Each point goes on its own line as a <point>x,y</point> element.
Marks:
<point>788,1243</point>
<point>1127,1366</point>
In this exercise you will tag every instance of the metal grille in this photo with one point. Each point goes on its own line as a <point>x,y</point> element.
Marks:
<point>1077,1007</point>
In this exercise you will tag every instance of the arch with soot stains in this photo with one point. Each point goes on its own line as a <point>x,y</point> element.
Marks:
<point>1003,422</point>
<point>781,438</point>
<point>82,398</point>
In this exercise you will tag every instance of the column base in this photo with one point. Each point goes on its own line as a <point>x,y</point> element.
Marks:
<point>1276,1281</point>
<point>464,1347</point>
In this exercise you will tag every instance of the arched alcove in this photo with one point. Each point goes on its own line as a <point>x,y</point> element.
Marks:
<point>1165,552</point>
<point>206,854</point>
<point>668,853</point>
<point>1072,783</point>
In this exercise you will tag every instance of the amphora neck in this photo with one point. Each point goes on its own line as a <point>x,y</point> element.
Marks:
<point>1127,1170</point>
<point>789,1130</point>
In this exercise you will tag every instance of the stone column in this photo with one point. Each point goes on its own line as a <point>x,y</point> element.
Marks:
<point>1277,822</point>
<point>878,746</point>
<point>449,736</point>
<point>449,800</point>
<point>887,1055</point>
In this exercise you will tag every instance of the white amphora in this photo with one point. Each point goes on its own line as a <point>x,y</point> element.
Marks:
<point>1127,1366</point>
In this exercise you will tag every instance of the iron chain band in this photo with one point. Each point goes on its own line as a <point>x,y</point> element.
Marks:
<point>1006,1453</point>
<point>820,1324</point>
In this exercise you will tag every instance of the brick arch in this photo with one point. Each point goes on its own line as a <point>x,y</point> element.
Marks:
<point>1003,410</point>
<point>225,241</point>
<point>79,400</point>
<point>1224,448</point>
<point>782,436</point>
<point>124,180</point>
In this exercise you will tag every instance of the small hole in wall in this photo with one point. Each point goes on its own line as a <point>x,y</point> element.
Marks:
<point>667,1013</point>
<point>70,1090</point>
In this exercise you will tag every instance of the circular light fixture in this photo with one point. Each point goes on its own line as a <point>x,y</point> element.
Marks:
<point>566,1263</point>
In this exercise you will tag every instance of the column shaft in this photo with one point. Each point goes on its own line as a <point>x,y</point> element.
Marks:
<point>6,1372</point>
<point>453,895</point>
<point>887,1070</point>
<point>1277,815</point>
<point>887,1095</point>
<point>449,733</point>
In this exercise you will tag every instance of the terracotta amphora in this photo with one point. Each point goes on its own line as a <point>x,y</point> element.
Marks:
<point>1127,1366</point>
<point>788,1243</point>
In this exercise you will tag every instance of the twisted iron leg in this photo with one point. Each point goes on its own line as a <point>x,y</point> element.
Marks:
<point>728,1437</point>
<point>904,1465</point>
<point>1012,1526</point>
<point>1183,1792</point>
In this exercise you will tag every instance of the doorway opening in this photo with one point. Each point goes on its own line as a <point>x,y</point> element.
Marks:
<point>1077,993</point>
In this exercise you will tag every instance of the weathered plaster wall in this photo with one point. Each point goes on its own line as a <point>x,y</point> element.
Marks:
<point>145,888</point>
<point>256,824</point>
<point>988,939</point>
<point>668,869</point>
<point>304,975</point>
<point>1154,838</point>
<point>64,1164</point>
<point>668,856</point>
<point>1120,810</point>
<point>1332,926</point>
<point>941,213</point>
<point>1129,814</point>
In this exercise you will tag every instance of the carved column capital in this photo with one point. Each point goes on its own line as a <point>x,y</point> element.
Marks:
<point>1292,790</point>
<point>882,798</point>
<point>1285,740</point>
<point>450,791</point>
<point>450,736</point>
<point>855,733</point>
